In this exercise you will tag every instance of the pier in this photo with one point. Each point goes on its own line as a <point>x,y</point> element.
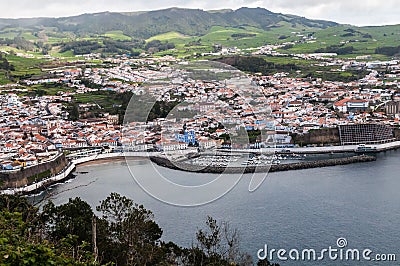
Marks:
<point>182,166</point>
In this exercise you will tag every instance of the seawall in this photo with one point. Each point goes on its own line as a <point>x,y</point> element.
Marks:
<point>60,170</point>
<point>261,169</point>
<point>20,178</point>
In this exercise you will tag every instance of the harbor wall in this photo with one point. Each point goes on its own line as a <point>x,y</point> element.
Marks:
<point>164,162</point>
<point>59,169</point>
<point>317,137</point>
<point>19,178</point>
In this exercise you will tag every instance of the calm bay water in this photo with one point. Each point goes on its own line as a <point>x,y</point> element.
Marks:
<point>297,209</point>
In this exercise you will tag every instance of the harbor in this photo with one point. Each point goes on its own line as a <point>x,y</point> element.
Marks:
<point>259,168</point>
<point>224,161</point>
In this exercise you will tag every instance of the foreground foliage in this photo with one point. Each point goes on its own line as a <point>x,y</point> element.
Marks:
<point>124,233</point>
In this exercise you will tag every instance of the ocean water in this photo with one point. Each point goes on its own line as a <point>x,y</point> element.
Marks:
<point>304,209</point>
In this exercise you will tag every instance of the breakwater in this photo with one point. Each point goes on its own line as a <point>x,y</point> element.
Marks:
<point>183,166</point>
<point>25,176</point>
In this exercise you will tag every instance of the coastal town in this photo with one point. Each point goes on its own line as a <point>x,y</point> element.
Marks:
<point>242,133</point>
<point>204,113</point>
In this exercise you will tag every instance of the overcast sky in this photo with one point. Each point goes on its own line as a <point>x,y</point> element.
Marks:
<point>356,12</point>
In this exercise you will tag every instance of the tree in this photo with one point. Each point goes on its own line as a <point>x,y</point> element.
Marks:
<point>265,262</point>
<point>17,204</point>
<point>19,245</point>
<point>209,241</point>
<point>73,218</point>
<point>4,64</point>
<point>219,244</point>
<point>23,240</point>
<point>74,115</point>
<point>16,247</point>
<point>127,233</point>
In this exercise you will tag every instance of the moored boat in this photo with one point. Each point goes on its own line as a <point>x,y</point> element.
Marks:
<point>362,148</point>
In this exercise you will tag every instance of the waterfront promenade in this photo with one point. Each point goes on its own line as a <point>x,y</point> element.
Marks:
<point>71,167</point>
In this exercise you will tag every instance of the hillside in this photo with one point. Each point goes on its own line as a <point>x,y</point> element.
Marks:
<point>147,24</point>
<point>190,31</point>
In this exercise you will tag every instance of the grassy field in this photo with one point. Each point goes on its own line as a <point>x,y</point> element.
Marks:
<point>169,36</point>
<point>10,49</point>
<point>364,39</point>
<point>3,78</point>
<point>117,35</point>
<point>8,34</point>
<point>67,54</point>
<point>282,32</point>
<point>28,36</point>
<point>50,89</point>
<point>24,66</point>
<point>15,50</point>
<point>103,99</point>
<point>11,33</point>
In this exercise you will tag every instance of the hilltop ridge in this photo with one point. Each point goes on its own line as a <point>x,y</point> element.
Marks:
<point>149,23</point>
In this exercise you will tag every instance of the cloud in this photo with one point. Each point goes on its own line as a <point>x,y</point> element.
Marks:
<point>366,12</point>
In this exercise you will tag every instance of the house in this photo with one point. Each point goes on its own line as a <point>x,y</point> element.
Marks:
<point>282,137</point>
<point>294,106</point>
<point>113,119</point>
<point>326,97</point>
<point>351,105</point>
<point>341,105</point>
<point>142,147</point>
<point>110,142</point>
<point>72,72</point>
<point>220,132</point>
<point>189,136</point>
<point>173,146</point>
<point>393,108</point>
<point>205,144</point>
<point>357,105</point>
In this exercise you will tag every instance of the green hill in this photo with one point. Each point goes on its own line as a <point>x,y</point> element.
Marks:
<point>147,24</point>
<point>192,30</point>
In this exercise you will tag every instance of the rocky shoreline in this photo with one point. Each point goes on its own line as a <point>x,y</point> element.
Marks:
<point>182,166</point>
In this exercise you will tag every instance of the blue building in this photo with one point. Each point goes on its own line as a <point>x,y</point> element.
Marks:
<point>188,137</point>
